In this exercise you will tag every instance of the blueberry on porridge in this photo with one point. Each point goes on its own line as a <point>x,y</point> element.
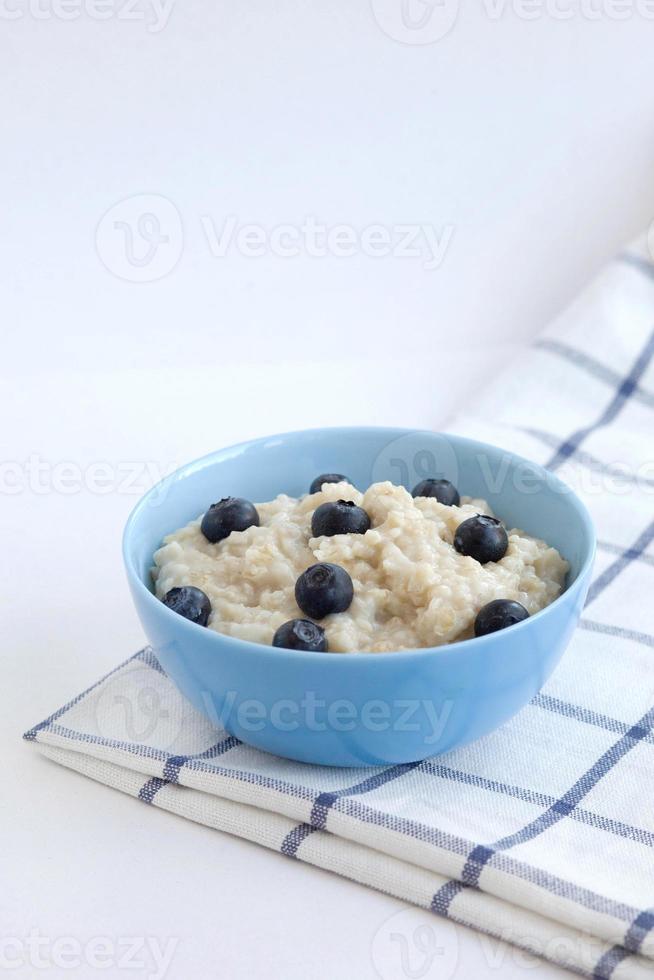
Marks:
<point>482,538</point>
<point>324,589</point>
<point>497,615</point>
<point>300,634</point>
<point>442,490</point>
<point>381,570</point>
<point>327,478</point>
<point>339,517</point>
<point>190,603</point>
<point>229,514</point>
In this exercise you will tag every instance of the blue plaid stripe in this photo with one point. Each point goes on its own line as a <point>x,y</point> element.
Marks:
<point>622,561</point>
<point>504,862</point>
<point>587,715</point>
<point>615,549</point>
<point>148,656</point>
<point>633,941</point>
<point>150,789</point>
<point>564,806</point>
<point>619,631</point>
<point>638,930</point>
<point>172,768</point>
<point>480,855</point>
<point>624,392</point>
<point>566,803</point>
<point>608,962</point>
<point>356,808</point>
<point>589,461</point>
<point>325,801</point>
<point>593,367</point>
<point>294,838</point>
<point>133,748</point>
<point>443,898</point>
<point>175,763</point>
<point>617,827</point>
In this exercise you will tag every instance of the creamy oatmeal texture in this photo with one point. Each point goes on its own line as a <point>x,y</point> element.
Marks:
<point>411,588</point>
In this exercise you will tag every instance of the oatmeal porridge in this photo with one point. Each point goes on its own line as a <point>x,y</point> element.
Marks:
<point>346,571</point>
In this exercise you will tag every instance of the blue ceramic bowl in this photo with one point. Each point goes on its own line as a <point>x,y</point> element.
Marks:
<point>365,709</point>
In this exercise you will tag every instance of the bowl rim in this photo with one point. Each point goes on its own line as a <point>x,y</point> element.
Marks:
<point>442,652</point>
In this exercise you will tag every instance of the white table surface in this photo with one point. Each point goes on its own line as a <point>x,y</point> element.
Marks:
<point>531,139</point>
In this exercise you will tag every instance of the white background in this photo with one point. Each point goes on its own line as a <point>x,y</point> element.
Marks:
<point>530,139</point>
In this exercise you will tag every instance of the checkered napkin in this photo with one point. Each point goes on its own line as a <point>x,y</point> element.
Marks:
<point>541,833</point>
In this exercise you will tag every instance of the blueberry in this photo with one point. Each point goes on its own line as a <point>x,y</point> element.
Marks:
<point>301,634</point>
<point>323,589</point>
<point>444,491</point>
<point>339,517</point>
<point>499,614</point>
<point>326,478</point>
<point>481,537</point>
<point>189,602</point>
<point>229,514</point>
